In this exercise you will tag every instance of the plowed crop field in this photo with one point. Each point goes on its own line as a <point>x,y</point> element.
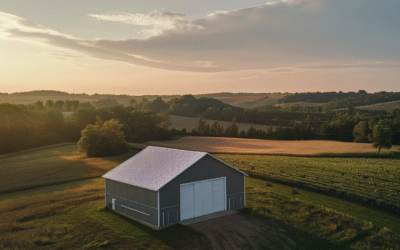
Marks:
<point>255,146</point>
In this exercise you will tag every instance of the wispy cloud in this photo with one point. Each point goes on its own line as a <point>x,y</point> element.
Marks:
<point>378,65</point>
<point>16,28</point>
<point>156,21</point>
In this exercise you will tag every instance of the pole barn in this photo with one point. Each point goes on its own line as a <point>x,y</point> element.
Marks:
<point>160,187</point>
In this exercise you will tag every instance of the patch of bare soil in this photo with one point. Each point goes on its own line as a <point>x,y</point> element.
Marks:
<point>237,232</point>
<point>256,146</point>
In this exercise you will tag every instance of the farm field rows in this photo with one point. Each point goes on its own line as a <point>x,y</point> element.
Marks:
<point>377,218</point>
<point>386,106</point>
<point>72,214</point>
<point>374,180</point>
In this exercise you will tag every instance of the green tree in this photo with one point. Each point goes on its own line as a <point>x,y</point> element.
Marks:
<point>165,121</point>
<point>252,132</point>
<point>361,131</point>
<point>39,105</point>
<point>232,130</point>
<point>382,137</point>
<point>158,105</point>
<point>68,105</point>
<point>216,129</point>
<point>59,104</point>
<point>103,140</point>
<point>105,103</point>
<point>132,102</point>
<point>49,104</point>
<point>202,127</point>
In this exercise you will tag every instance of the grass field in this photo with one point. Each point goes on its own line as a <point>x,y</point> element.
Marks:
<point>308,104</point>
<point>375,180</point>
<point>52,166</point>
<point>337,227</point>
<point>76,218</point>
<point>378,219</point>
<point>72,215</point>
<point>386,106</point>
<point>247,100</point>
<point>256,146</point>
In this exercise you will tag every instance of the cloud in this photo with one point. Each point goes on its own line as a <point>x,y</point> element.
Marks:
<point>282,34</point>
<point>286,34</point>
<point>16,28</point>
<point>158,21</point>
<point>377,65</point>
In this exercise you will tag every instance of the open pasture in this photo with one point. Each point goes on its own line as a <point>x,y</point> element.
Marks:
<point>386,106</point>
<point>257,146</point>
<point>51,166</point>
<point>72,215</point>
<point>306,104</point>
<point>373,180</point>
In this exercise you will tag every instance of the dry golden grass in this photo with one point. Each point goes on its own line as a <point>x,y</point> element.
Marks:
<point>255,146</point>
<point>52,165</point>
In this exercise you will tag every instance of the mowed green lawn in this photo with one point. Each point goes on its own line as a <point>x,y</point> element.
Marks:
<point>51,166</point>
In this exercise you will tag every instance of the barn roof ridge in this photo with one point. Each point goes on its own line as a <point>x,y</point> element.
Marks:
<point>154,167</point>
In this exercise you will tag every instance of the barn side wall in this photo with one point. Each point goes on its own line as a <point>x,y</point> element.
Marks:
<point>130,198</point>
<point>206,168</point>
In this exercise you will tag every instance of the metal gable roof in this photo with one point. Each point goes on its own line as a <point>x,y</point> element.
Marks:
<point>154,167</point>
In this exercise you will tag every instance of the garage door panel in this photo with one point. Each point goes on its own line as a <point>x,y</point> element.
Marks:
<point>198,199</point>
<point>218,195</point>
<point>201,198</point>
<point>187,201</point>
<point>207,197</point>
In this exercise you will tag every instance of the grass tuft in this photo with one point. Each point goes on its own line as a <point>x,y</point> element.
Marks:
<point>98,245</point>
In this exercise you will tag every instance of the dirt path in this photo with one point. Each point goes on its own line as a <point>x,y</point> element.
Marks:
<point>236,232</point>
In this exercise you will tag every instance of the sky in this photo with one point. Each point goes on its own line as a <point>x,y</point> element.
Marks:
<point>161,47</point>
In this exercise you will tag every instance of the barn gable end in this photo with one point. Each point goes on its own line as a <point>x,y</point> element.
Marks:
<point>204,169</point>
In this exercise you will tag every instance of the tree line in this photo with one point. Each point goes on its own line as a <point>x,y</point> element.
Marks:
<point>43,123</point>
<point>28,126</point>
<point>335,100</point>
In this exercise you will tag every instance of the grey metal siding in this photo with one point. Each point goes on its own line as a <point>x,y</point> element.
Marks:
<point>133,201</point>
<point>206,168</point>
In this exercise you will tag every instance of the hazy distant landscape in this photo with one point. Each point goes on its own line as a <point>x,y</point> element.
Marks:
<point>308,154</point>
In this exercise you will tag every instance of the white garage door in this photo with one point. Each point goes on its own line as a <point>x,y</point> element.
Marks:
<point>203,197</point>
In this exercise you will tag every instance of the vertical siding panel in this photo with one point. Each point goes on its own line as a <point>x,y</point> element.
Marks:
<point>140,199</point>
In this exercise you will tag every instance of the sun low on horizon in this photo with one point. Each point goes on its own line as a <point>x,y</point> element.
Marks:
<point>179,47</point>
